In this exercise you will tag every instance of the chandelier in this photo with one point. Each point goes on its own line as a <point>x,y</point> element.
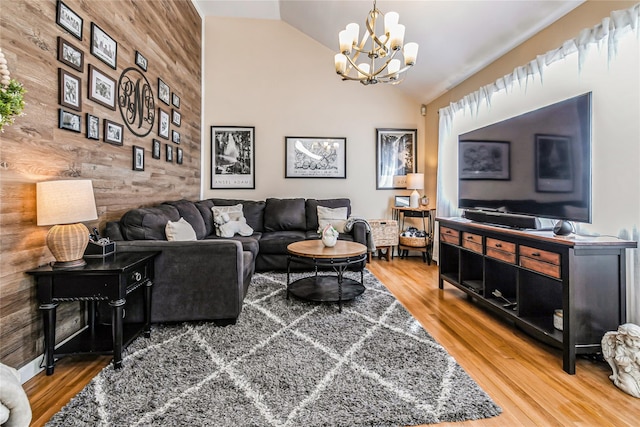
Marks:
<point>380,66</point>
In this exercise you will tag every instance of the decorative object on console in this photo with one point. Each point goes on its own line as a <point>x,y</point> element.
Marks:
<point>64,204</point>
<point>329,236</point>
<point>383,47</point>
<point>621,349</point>
<point>415,182</point>
<point>424,200</point>
<point>308,157</point>
<point>402,201</point>
<point>395,156</point>
<point>233,157</point>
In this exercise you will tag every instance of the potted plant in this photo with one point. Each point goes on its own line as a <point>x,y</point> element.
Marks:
<point>11,95</point>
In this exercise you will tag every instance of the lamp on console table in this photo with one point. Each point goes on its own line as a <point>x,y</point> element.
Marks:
<point>64,204</point>
<point>415,181</point>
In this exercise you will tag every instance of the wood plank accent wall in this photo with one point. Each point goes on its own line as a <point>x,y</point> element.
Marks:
<point>168,34</point>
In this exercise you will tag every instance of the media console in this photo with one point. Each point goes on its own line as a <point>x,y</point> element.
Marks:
<point>525,276</point>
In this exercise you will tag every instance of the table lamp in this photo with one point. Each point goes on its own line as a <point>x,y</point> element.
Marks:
<point>415,181</point>
<point>64,204</point>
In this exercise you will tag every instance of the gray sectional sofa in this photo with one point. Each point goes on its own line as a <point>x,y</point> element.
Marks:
<point>207,279</point>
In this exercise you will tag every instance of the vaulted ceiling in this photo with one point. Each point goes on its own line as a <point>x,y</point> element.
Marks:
<point>456,38</point>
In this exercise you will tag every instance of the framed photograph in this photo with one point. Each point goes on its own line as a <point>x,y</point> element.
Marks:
<point>395,157</point>
<point>70,55</point>
<point>554,168</point>
<point>163,91</point>
<point>402,201</point>
<point>176,118</point>
<point>102,88</point>
<point>233,157</point>
<point>69,121</point>
<point>155,149</point>
<point>69,91</point>
<point>93,127</point>
<point>138,158</point>
<point>141,61</point>
<point>69,20</point>
<point>175,137</point>
<point>163,124</point>
<point>112,132</point>
<point>175,100</point>
<point>314,157</point>
<point>483,160</point>
<point>169,152</point>
<point>103,46</point>
<point>179,156</point>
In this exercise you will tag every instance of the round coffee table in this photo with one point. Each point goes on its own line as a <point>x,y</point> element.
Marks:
<point>326,288</point>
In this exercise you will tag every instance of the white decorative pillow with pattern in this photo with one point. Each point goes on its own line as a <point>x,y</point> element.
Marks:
<point>337,217</point>
<point>230,220</point>
<point>179,230</point>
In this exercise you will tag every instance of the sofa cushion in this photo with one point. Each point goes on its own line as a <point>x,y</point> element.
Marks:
<point>336,217</point>
<point>192,215</point>
<point>204,207</point>
<point>180,231</point>
<point>311,209</point>
<point>148,223</point>
<point>276,242</point>
<point>285,215</point>
<point>253,211</point>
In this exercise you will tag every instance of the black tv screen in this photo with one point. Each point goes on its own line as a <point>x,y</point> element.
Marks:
<point>537,163</point>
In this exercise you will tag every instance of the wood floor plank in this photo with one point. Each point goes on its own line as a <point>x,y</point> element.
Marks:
<point>523,376</point>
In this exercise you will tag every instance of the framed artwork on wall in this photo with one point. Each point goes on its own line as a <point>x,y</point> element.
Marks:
<point>69,121</point>
<point>163,124</point>
<point>169,153</point>
<point>103,46</point>
<point>175,136</point>
<point>141,61</point>
<point>112,132</point>
<point>69,91</point>
<point>233,157</point>
<point>483,160</point>
<point>554,168</point>
<point>163,91</point>
<point>395,156</point>
<point>70,55</point>
<point>179,156</point>
<point>311,157</point>
<point>102,88</point>
<point>93,127</point>
<point>176,118</point>
<point>138,158</point>
<point>69,20</point>
<point>155,149</point>
<point>175,100</point>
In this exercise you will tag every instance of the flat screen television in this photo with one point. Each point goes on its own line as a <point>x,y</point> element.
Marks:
<point>537,164</point>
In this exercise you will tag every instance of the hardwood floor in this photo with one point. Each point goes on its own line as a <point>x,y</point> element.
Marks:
<point>523,376</point>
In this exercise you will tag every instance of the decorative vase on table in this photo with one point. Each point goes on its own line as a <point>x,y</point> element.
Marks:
<point>329,236</point>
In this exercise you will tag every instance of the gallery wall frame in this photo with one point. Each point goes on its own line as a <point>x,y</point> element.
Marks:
<point>175,100</point>
<point>554,167</point>
<point>156,145</point>
<point>169,153</point>
<point>480,159</point>
<point>69,20</point>
<point>70,55</point>
<point>103,46</point>
<point>102,88</point>
<point>176,117</point>
<point>113,132</point>
<point>141,61</point>
<point>163,91</point>
<point>396,155</point>
<point>93,127</point>
<point>233,157</point>
<point>69,90</point>
<point>175,136</point>
<point>179,156</point>
<point>163,123</point>
<point>315,157</point>
<point>138,158</point>
<point>69,121</point>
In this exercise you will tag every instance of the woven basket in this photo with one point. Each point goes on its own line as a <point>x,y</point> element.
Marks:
<point>414,242</point>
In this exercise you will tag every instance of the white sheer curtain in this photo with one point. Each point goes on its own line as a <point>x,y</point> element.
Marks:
<point>605,60</point>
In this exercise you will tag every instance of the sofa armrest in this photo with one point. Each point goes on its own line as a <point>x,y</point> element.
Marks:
<point>194,280</point>
<point>359,233</point>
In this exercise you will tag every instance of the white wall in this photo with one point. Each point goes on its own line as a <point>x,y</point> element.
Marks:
<point>267,74</point>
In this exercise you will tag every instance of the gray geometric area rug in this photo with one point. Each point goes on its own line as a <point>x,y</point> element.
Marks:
<point>285,363</point>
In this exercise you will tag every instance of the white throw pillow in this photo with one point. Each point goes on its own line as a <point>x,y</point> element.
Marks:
<point>230,220</point>
<point>180,230</point>
<point>337,217</point>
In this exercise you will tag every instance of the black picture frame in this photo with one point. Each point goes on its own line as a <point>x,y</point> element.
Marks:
<point>175,100</point>
<point>402,201</point>
<point>169,153</point>
<point>163,91</point>
<point>70,55</point>
<point>113,132</point>
<point>69,90</point>
<point>485,160</point>
<point>93,127</point>
<point>102,88</point>
<point>156,145</point>
<point>554,165</point>
<point>69,20</point>
<point>179,156</point>
<point>103,46</point>
<point>138,158</point>
<point>233,157</point>
<point>68,120</point>
<point>163,123</point>
<point>396,156</point>
<point>141,61</point>
<point>176,117</point>
<point>175,136</point>
<point>315,157</point>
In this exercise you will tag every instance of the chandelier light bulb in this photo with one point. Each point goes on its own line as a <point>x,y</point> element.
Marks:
<point>397,36</point>
<point>394,67</point>
<point>390,21</point>
<point>341,63</point>
<point>346,41</point>
<point>410,53</point>
<point>364,69</point>
<point>354,30</point>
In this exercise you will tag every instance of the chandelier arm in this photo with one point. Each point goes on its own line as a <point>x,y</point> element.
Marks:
<point>399,72</point>
<point>386,63</point>
<point>372,32</point>
<point>354,65</point>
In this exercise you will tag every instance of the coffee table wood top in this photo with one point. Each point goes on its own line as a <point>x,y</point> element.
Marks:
<point>315,249</point>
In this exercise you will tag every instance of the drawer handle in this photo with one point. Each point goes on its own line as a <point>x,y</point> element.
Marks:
<point>137,276</point>
<point>447,232</point>
<point>469,237</point>
<point>498,245</point>
<point>535,254</point>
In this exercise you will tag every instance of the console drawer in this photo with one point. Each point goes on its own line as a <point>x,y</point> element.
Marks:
<point>499,249</point>
<point>450,235</point>
<point>544,262</point>
<point>472,241</point>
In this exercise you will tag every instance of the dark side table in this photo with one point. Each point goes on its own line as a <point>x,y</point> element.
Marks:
<point>110,279</point>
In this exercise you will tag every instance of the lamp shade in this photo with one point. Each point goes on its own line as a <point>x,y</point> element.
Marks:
<point>415,181</point>
<point>65,202</point>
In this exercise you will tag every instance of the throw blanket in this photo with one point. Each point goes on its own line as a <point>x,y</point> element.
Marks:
<point>351,221</point>
<point>15,410</point>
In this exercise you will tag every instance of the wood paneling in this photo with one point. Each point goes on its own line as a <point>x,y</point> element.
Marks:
<point>168,34</point>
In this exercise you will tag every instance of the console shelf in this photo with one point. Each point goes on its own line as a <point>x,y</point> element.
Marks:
<point>539,273</point>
